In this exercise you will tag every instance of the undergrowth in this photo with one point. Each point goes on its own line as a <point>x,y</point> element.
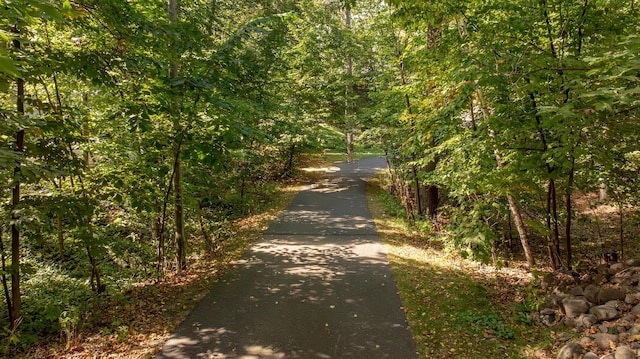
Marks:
<point>456,308</point>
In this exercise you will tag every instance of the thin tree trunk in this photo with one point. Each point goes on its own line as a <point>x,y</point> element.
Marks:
<point>567,198</point>
<point>513,204</point>
<point>5,285</point>
<point>95,273</point>
<point>181,241</point>
<point>207,239</point>
<point>349,71</point>
<point>553,243</point>
<point>621,219</point>
<point>16,297</point>
<point>414,168</point>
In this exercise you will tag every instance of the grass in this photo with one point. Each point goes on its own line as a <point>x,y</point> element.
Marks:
<point>457,308</point>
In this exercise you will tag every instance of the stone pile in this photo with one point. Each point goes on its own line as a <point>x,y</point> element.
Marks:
<point>604,306</point>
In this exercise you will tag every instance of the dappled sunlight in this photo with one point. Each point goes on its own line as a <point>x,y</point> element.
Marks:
<point>332,169</point>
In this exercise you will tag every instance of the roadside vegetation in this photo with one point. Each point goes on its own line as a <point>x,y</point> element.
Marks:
<point>456,307</point>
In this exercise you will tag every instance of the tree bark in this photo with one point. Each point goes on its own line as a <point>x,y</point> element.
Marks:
<point>16,297</point>
<point>349,72</point>
<point>181,241</point>
<point>568,207</point>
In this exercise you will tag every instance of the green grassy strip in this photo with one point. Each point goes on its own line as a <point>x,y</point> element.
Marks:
<point>448,305</point>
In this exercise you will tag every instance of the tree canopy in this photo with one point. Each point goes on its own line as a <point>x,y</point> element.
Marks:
<point>133,131</point>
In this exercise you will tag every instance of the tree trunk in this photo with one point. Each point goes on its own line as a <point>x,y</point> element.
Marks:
<point>96,282</point>
<point>621,219</point>
<point>513,204</point>
<point>5,286</point>
<point>179,219</point>
<point>567,198</point>
<point>181,241</point>
<point>16,297</point>
<point>349,71</point>
<point>158,237</point>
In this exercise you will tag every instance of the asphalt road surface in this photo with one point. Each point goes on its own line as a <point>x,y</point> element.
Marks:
<point>318,285</point>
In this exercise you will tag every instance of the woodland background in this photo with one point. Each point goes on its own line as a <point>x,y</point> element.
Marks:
<point>135,134</point>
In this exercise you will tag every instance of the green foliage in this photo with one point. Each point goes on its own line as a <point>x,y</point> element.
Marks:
<point>490,321</point>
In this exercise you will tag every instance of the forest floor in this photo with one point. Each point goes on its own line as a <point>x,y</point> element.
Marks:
<point>456,308</point>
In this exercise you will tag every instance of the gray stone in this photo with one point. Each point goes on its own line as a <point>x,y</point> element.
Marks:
<point>613,303</point>
<point>629,319</point>
<point>635,310</point>
<point>635,329</point>
<point>573,307</point>
<point>608,294</point>
<point>604,312</point>
<point>552,301</point>
<point>624,352</point>
<point>608,356</point>
<point>600,278</point>
<point>571,351</point>
<point>591,292</point>
<point>631,299</point>
<point>623,336</point>
<point>616,268</point>
<point>602,268</point>
<point>586,320</point>
<point>633,262</point>
<point>586,342</point>
<point>591,355</point>
<point>605,341</point>
<point>575,291</point>
<point>547,317</point>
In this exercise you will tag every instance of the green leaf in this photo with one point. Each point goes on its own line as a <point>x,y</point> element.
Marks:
<point>7,66</point>
<point>48,10</point>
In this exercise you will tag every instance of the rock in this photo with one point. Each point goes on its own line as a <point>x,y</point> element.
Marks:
<point>609,294</point>
<point>604,312</point>
<point>575,291</point>
<point>591,355</point>
<point>623,336</point>
<point>629,319</point>
<point>600,278</point>
<point>635,329</point>
<point>631,299</point>
<point>605,341</point>
<point>547,317</point>
<point>613,303</point>
<point>624,352</point>
<point>608,356</point>
<point>586,320</point>
<point>571,351</point>
<point>552,301</point>
<point>602,268</point>
<point>591,292</point>
<point>586,342</point>
<point>616,268</point>
<point>635,310</point>
<point>634,262</point>
<point>573,307</point>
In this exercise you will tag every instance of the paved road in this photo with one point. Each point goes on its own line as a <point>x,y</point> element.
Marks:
<point>317,286</point>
